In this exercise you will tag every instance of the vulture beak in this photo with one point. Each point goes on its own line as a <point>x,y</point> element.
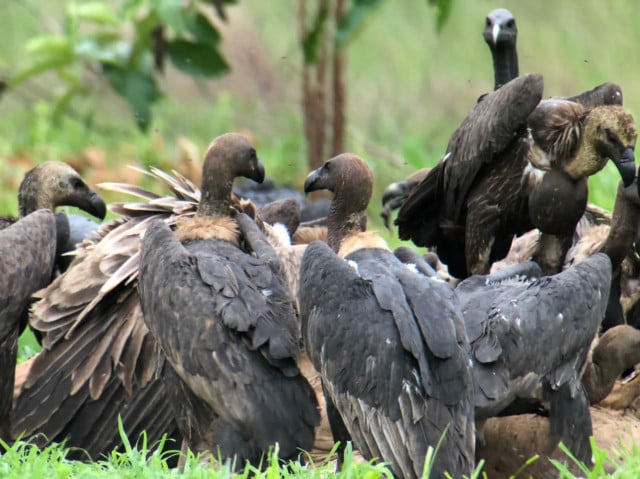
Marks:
<point>91,202</point>
<point>315,180</point>
<point>495,33</point>
<point>626,166</point>
<point>392,198</point>
<point>257,174</point>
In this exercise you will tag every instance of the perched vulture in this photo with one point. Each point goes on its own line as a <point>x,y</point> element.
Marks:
<point>27,249</point>
<point>515,163</point>
<point>530,338</point>
<point>215,298</point>
<point>389,343</point>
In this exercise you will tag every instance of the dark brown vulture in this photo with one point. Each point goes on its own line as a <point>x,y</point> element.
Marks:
<point>215,298</point>
<point>515,163</point>
<point>30,247</point>
<point>389,344</point>
<point>99,358</point>
<point>27,249</point>
<point>530,338</point>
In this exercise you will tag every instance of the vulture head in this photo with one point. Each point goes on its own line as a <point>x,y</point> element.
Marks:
<point>52,184</point>
<point>350,180</point>
<point>500,28</point>
<point>613,135</point>
<point>228,157</point>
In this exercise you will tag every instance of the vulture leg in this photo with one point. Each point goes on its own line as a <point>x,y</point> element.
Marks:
<point>338,429</point>
<point>479,238</point>
<point>614,315</point>
<point>551,252</point>
<point>570,421</point>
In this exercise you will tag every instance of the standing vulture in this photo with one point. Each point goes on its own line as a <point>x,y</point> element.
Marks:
<point>530,338</point>
<point>389,344</point>
<point>513,164</point>
<point>215,298</point>
<point>29,248</point>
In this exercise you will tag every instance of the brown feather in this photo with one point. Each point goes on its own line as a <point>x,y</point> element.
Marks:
<point>204,227</point>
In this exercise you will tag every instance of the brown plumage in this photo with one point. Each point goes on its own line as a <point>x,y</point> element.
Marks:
<point>229,334</point>
<point>497,158</point>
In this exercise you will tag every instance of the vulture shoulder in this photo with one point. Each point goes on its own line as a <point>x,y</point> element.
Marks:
<point>605,94</point>
<point>396,329</point>
<point>227,324</point>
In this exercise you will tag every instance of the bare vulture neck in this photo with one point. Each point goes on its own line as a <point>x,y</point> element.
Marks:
<point>624,225</point>
<point>505,63</point>
<point>343,220</point>
<point>216,192</point>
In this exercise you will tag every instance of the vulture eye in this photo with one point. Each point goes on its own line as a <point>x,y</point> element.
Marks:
<point>488,22</point>
<point>253,153</point>
<point>76,183</point>
<point>612,137</point>
<point>511,24</point>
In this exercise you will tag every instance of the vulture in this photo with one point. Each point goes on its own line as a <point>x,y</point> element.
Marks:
<point>99,360</point>
<point>215,298</point>
<point>30,247</point>
<point>33,237</point>
<point>389,344</point>
<point>515,163</point>
<point>530,337</point>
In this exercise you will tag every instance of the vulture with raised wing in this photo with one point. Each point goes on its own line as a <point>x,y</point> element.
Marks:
<point>515,163</point>
<point>215,298</point>
<point>389,344</point>
<point>530,337</point>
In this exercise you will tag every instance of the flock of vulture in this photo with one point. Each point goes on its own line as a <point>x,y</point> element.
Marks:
<point>232,324</point>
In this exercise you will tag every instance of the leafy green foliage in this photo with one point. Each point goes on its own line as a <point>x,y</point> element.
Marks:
<point>356,18</point>
<point>95,39</point>
<point>443,10</point>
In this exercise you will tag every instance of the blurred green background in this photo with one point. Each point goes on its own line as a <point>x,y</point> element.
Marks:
<point>408,87</point>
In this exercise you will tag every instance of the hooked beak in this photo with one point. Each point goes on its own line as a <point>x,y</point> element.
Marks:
<point>626,166</point>
<point>91,202</point>
<point>314,180</point>
<point>392,199</point>
<point>258,173</point>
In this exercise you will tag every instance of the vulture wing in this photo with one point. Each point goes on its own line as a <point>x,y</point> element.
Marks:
<point>227,325</point>
<point>27,249</point>
<point>542,328</point>
<point>493,124</point>
<point>398,377</point>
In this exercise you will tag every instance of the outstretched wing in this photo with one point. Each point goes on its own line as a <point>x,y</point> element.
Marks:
<point>493,124</point>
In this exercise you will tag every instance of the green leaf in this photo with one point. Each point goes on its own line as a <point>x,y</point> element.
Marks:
<point>139,90</point>
<point>37,68</point>
<point>355,19</point>
<point>202,30</point>
<point>443,11</point>
<point>94,12</point>
<point>198,59</point>
<point>173,14</point>
<point>91,49</point>
<point>50,47</point>
<point>61,105</point>
<point>311,41</point>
